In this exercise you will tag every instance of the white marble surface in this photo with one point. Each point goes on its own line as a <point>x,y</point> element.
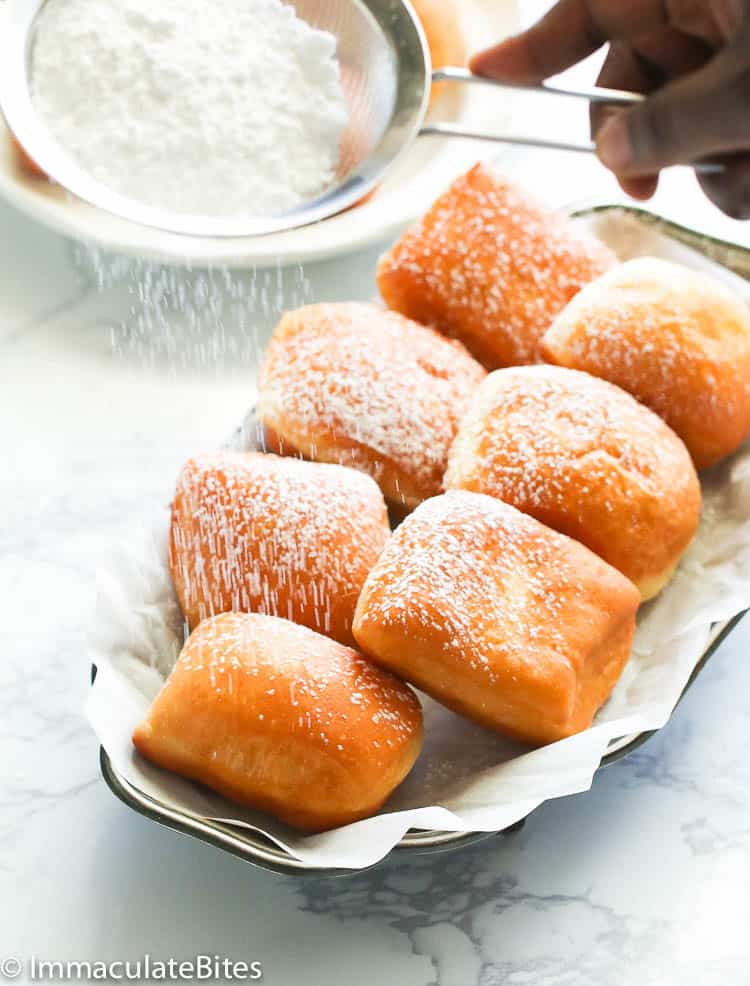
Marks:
<point>644,880</point>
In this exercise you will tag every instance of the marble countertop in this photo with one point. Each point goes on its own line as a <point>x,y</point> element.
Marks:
<point>643,880</point>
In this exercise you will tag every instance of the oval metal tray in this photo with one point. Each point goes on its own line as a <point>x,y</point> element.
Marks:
<point>260,851</point>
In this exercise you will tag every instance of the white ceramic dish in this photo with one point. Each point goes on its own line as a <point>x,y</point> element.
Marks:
<point>409,189</point>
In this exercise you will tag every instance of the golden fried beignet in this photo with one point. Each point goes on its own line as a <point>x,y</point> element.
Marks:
<point>676,339</point>
<point>365,387</point>
<point>587,459</point>
<point>275,716</point>
<point>258,533</point>
<point>441,20</point>
<point>490,266</point>
<point>501,619</point>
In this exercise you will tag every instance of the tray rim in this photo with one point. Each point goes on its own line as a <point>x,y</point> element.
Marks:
<point>272,858</point>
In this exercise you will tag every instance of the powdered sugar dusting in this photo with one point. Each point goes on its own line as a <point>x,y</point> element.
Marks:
<point>355,384</point>
<point>584,457</point>
<point>480,581</point>
<point>675,338</point>
<point>490,266</point>
<point>258,533</point>
<point>213,320</point>
<point>310,678</point>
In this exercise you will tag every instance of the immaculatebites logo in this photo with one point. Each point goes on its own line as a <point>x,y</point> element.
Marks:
<point>147,968</point>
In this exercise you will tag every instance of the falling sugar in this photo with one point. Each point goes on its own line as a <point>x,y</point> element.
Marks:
<point>185,318</point>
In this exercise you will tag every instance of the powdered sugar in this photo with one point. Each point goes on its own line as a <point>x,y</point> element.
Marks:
<point>256,533</point>
<point>490,266</point>
<point>584,457</point>
<point>488,586</point>
<point>309,674</point>
<point>368,388</point>
<point>528,424</point>
<point>212,107</point>
<point>675,338</point>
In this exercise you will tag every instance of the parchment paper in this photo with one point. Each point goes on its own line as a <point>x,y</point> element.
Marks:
<point>467,779</point>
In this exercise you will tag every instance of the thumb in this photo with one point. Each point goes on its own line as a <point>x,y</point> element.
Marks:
<point>699,115</point>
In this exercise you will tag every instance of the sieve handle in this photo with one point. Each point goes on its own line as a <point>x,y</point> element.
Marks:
<point>594,94</point>
<point>455,130</point>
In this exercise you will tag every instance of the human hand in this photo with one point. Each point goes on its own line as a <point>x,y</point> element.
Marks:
<point>691,58</point>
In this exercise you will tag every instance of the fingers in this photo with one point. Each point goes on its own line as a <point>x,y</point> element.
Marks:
<point>698,116</point>
<point>645,66</point>
<point>730,190</point>
<point>571,31</point>
<point>669,53</point>
<point>715,22</point>
<point>660,56</point>
<point>560,39</point>
<point>640,188</point>
<point>624,69</point>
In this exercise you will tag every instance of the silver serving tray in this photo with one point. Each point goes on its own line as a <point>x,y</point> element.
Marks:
<point>259,851</point>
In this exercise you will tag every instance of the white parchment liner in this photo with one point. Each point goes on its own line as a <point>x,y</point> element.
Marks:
<point>467,779</point>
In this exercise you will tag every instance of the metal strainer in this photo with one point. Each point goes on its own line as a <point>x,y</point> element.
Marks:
<point>386,73</point>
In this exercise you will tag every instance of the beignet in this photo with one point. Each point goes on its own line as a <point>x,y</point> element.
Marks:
<point>258,533</point>
<point>441,20</point>
<point>25,161</point>
<point>499,618</point>
<point>587,459</point>
<point>676,339</point>
<point>490,266</point>
<point>367,388</point>
<point>277,717</point>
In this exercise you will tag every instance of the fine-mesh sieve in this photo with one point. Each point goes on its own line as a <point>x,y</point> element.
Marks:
<point>386,73</point>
